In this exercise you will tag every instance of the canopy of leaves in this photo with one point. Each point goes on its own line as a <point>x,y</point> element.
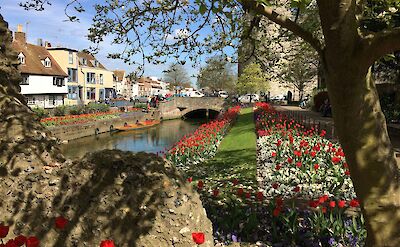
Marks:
<point>252,80</point>
<point>217,75</point>
<point>176,75</point>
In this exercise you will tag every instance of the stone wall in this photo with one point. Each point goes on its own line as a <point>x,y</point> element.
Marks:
<point>67,133</point>
<point>178,107</point>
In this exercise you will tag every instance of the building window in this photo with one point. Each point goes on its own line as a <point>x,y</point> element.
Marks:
<point>73,92</point>
<point>25,80</point>
<point>91,93</point>
<point>96,63</point>
<point>58,81</point>
<point>90,78</point>
<point>21,58</point>
<point>72,75</point>
<point>47,62</point>
<point>101,79</point>
<point>70,57</point>
<point>52,100</point>
<point>84,61</point>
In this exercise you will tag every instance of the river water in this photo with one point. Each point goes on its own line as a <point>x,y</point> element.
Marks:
<point>152,140</point>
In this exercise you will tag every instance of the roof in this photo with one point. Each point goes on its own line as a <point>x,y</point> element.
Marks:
<point>90,59</point>
<point>61,49</point>
<point>33,56</point>
<point>120,74</point>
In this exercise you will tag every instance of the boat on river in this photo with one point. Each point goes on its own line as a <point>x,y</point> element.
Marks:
<point>138,125</point>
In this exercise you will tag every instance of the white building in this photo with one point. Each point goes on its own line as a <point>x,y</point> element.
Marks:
<point>44,82</point>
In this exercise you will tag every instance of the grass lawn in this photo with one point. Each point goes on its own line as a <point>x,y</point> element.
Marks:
<point>236,156</point>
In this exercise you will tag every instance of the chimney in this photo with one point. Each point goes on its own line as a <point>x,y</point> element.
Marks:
<point>20,36</point>
<point>40,42</point>
<point>46,44</point>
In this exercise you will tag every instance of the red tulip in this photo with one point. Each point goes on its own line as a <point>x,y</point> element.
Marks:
<point>198,237</point>
<point>278,167</point>
<point>298,164</point>
<point>323,210</point>
<point>273,154</point>
<point>235,182</point>
<point>260,196</point>
<point>32,242</point>
<point>354,203</point>
<point>248,195</point>
<point>20,240</point>
<point>335,160</point>
<point>316,166</point>
<point>314,204</point>
<point>215,192</point>
<point>341,204</point>
<point>4,231</point>
<point>61,222</point>
<point>240,191</point>
<point>107,243</point>
<point>276,212</point>
<point>11,243</point>
<point>275,185</point>
<point>200,184</point>
<point>190,179</point>
<point>347,172</point>
<point>296,189</point>
<point>289,160</point>
<point>332,204</point>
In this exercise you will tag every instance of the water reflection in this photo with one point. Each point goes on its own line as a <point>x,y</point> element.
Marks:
<point>154,139</point>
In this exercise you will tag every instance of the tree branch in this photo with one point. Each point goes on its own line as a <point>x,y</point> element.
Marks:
<point>382,43</point>
<point>285,22</point>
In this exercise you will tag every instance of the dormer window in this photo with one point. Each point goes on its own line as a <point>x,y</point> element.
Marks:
<point>84,61</point>
<point>96,63</point>
<point>47,62</point>
<point>21,58</point>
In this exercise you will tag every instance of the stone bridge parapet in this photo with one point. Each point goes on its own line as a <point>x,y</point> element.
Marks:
<point>180,106</point>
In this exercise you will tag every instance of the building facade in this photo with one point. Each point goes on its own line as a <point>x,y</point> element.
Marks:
<point>44,82</point>
<point>88,80</point>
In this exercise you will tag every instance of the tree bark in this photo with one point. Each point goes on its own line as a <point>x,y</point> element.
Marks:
<point>21,134</point>
<point>361,128</point>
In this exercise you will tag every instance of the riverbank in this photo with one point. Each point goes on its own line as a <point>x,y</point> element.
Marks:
<point>71,132</point>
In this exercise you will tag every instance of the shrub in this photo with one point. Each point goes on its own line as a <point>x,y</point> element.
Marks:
<point>319,99</point>
<point>60,110</point>
<point>93,108</point>
<point>77,110</point>
<point>40,112</point>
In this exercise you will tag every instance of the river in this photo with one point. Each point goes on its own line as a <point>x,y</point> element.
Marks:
<point>152,140</point>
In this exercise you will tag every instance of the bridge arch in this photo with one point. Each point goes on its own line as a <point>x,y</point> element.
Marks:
<point>181,106</point>
<point>200,113</point>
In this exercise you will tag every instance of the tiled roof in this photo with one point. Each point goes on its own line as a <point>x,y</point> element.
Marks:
<point>90,60</point>
<point>33,60</point>
<point>119,74</point>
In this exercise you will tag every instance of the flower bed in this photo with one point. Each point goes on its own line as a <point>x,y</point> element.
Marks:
<point>296,162</point>
<point>310,173</point>
<point>77,119</point>
<point>203,143</point>
<point>82,118</point>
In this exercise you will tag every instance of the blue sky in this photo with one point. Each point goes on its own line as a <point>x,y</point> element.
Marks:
<point>50,25</point>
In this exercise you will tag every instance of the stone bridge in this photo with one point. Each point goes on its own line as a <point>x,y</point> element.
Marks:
<point>182,106</point>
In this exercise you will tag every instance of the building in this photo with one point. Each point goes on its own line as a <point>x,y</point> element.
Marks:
<point>120,84</point>
<point>44,82</point>
<point>88,80</point>
<point>68,61</point>
<point>145,86</point>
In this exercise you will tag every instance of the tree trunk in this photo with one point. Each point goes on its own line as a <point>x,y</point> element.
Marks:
<point>361,127</point>
<point>21,134</point>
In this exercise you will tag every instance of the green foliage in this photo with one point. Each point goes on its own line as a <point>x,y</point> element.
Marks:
<point>60,111</point>
<point>77,110</point>
<point>390,108</point>
<point>176,75</point>
<point>252,80</point>
<point>40,112</point>
<point>301,71</point>
<point>217,75</point>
